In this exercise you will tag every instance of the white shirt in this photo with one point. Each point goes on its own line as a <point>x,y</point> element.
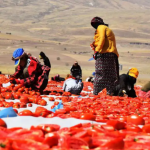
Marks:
<point>72,86</point>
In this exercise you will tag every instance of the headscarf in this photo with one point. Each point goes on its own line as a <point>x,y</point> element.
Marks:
<point>96,21</point>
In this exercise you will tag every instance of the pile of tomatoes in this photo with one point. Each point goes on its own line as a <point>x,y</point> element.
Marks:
<point>122,117</point>
<point>113,135</point>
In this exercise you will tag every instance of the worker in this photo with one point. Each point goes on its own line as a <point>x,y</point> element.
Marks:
<point>33,74</point>
<point>73,85</point>
<point>76,70</point>
<point>126,84</point>
<point>45,59</point>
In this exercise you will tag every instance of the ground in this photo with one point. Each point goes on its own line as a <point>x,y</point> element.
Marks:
<point>62,30</point>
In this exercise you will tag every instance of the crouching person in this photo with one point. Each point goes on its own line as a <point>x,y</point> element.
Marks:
<point>126,84</point>
<point>73,85</point>
<point>33,74</point>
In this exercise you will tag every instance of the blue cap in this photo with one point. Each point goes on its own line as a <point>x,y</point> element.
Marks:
<point>17,53</point>
<point>93,73</point>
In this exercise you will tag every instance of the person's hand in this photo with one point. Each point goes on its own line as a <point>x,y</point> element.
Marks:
<point>9,76</point>
<point>95,55</point>
<point>13,81</point>
<point>92,47</point>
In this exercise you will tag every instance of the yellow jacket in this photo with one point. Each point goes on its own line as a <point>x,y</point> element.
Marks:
<point>105,40</point>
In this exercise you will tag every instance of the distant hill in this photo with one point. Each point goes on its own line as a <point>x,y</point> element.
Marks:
<point>69,20</point>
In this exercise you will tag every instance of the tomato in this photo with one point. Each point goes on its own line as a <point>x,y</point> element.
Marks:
<point>23,105</point>
<point>135,119</point>
<point>3,124</point>
<point>16,110</point>
<point>24,99</point>
<point>51,99</point>
<point>25,113</point>
<point>73,143</point>
<point>87,116</point>
<point>51,139</point>
<point>134,128</point>
<point>14,129</point>
<point>43,103</point>
<point>29,105</point>
<point>41,111</point>
<point>16,95</point>
<point>56,103</point>
<point>8,95</point>
<point>117,143</point>
<point>146,128</point>
<point>29,144</point>
<point>122,118</point>
<point>16,105</point>
<point>116,124</point>
<point>49,127</point>
<point>60,111</point>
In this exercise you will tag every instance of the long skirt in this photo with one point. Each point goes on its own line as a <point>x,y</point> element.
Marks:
<point>107,72</point>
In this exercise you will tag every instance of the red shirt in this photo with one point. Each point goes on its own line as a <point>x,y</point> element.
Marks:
<point>36,73</point>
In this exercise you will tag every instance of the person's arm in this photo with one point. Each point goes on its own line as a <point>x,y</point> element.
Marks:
<point>71,70</point>
<point>18,72</point>
<point>80,71</point>
<point>102,33</point>
<point>64,86</point>
<point>32,70</point>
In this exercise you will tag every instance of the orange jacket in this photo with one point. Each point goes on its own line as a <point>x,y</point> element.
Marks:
<point>105,40</point>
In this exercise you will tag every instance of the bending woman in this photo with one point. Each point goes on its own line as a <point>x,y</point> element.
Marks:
<point>106,56</point>
<point>33,74</point>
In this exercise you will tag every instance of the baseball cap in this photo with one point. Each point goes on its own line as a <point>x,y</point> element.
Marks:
<point>17,54</point>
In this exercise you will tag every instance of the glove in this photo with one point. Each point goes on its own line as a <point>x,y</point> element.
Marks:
<point>95,55</point>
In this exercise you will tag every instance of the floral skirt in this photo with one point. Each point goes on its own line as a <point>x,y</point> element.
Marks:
<point>107,72</point>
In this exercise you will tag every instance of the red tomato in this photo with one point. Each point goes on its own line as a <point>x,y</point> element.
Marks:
<point>116,124</point>
<point>51,99</point>
<point>135,119</point>
<point>25,113</point>
<point>51,139</point>
<point>39,110</point>
<point>23,105</point>
<point>24,99</point>
<point>134,128</point>
<point>29,144</point>
<point>3,124</point>
<point>56,103</point>
<point>117,143</point>
<point>29,105</point>
<point>8,96</point>
<point>43,103</point>
<point>146,128</point>
<point>16,95</point>
<point>16,105</point>
<point>47,128</point>
<point>16,110</point>
<point>87,116</point>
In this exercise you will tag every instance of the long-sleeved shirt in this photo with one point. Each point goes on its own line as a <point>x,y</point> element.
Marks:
<point>126,83</point>
<point>105,40</point>
<point>76,71</point>
<point>72,86</point>
<point>37,73</point>
<point>45,59</point>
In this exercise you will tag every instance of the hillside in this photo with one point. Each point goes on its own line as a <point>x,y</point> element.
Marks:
<point>62,28</point>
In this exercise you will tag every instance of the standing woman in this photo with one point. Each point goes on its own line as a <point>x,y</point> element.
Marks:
<point>106,56</point>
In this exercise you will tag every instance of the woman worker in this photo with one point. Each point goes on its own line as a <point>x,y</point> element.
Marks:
<point>34,74</point>
<point>106,56</point>
<point>126,84</point>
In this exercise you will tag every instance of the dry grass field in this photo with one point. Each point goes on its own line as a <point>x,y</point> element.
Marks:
<point>62,29</point>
